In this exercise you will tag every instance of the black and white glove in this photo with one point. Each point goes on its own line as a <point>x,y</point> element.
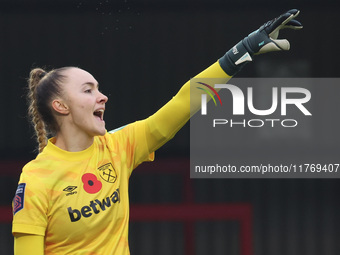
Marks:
<point>260,41</point>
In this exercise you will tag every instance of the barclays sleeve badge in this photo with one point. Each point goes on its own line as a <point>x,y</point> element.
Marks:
<point>18,201</point>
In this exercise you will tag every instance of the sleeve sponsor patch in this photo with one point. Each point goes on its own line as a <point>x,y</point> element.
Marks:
<point>18,201</point>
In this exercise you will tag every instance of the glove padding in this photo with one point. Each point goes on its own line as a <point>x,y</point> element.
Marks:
<point>260,41</point>
<point>265,38</point>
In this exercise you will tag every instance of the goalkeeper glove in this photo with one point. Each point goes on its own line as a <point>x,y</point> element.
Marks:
<point>260,41</point>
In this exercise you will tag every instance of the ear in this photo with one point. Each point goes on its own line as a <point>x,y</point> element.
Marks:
<point>60,106</point>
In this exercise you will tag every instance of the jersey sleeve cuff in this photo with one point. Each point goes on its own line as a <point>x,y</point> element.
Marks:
<point>28,229</point>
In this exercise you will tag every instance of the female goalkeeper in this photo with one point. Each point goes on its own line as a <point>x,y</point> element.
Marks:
<point>73,198</point>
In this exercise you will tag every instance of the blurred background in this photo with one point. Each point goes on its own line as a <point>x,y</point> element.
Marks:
<point>141,52</point>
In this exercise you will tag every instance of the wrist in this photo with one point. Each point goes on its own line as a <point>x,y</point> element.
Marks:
<point>233,61</point>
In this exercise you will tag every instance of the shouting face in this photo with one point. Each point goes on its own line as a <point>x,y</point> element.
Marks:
<point>82,104</point>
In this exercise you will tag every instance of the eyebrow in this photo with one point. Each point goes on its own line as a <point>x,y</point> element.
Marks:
<point>91,84</point>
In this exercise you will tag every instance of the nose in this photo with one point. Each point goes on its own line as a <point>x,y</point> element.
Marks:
<point>102,98</point>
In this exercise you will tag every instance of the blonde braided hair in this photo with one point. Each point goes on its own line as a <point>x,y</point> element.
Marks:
<point>39,126</point>
<point>43,88</point>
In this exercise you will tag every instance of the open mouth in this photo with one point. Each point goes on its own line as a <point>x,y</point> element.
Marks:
<point>99,114</point>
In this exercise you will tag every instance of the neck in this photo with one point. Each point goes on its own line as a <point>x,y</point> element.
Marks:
<point>73,142</point>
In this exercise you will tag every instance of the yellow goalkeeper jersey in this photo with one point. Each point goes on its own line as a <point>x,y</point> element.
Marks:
<point>79,200</point>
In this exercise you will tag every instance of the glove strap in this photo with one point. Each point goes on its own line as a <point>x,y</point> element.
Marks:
<point>235,59</point>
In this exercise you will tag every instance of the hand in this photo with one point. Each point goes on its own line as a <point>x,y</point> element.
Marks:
<point>260,41</point>
<point>265,38</point>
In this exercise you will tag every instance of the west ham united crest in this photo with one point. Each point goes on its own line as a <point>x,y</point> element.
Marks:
<point>108,173</point>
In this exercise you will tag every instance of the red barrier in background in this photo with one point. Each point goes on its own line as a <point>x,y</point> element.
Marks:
<point>187,212</point>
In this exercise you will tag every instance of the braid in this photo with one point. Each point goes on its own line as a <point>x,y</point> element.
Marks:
<point>40,128</point>
<point>43,88</point>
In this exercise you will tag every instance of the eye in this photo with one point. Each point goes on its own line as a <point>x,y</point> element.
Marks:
<point>88,91</point>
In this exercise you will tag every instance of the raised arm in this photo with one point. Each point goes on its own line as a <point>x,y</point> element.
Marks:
<point>164,124</point>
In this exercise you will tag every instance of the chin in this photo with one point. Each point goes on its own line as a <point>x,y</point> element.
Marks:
<point>98,132</point>
<point>102,132</point>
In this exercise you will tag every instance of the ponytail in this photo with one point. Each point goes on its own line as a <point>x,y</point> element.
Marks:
<point>43,88</point>
<point>39,126</point>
